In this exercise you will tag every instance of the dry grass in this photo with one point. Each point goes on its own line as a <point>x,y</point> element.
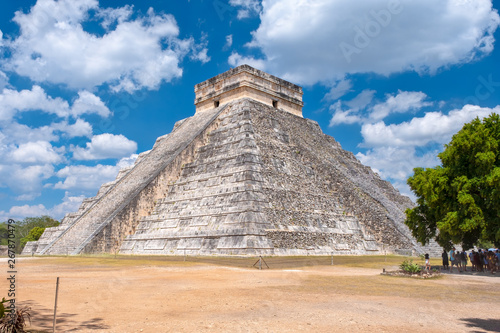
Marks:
<point>377,262</point>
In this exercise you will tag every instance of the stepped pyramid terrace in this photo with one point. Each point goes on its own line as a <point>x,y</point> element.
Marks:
<point>245,175</point>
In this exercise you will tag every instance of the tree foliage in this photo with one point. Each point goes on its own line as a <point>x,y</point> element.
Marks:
<point>33,235</point>
<point>459,201</point>
<point>31,228</point>
<point>4,234</point>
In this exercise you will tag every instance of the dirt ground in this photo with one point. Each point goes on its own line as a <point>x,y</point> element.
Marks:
<point>299,295</point>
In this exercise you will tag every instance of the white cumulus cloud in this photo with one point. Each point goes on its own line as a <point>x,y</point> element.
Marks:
<point>363,108</point>
<point>397,163</point>
<point>87,103</point>
<point>394,150</point>
<point>111,16</point>
<point>79,128</point>
<point>420,131</point>
<point>402,102</point>
<point>105,146</point>
<point>16,134</point>
<point>36,99</point>
<point>21,212</point>
<point>26,182</point>
<point>319,41</point>
<point>136,53</point>
<point>236,59</point>
<point>69,204</point>
<point>82,177</point>
<point>247,8</point>
<point>38,152</point>
<point>13,101</point>
<point>341,116</point>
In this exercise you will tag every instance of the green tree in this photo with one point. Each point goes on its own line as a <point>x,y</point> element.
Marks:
<point>459,201</point>
<point>24,227</point>
<point>33,235</point>
<point>4,234</point>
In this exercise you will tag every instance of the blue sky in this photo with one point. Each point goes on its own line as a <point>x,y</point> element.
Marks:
<point>86,85</point>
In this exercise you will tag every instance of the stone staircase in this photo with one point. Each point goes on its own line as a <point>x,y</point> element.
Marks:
<point>215,206</point>
<point>221,205</point>
<point>102,212</point>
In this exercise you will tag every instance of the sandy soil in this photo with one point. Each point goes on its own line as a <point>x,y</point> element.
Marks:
<point>122,296</point>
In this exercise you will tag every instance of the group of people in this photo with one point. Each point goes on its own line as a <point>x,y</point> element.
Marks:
<point>480,260</point>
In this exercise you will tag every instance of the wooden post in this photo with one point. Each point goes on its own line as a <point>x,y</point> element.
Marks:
<point>331,241</point>
<point>55,307</point>
<point>259,261</point>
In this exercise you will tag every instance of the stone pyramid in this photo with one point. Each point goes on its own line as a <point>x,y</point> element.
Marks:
<point>246,175</point>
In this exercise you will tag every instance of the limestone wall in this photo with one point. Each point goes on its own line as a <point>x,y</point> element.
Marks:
<point>268,182</point>
<point>215,205</point>
<point>123,193</point>
<point>124,224</point>
<point>313,183</point>
<point>247,82</point>
<point>241,179</point>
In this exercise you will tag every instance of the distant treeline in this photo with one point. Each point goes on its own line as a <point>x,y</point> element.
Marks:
<point>29,229</point>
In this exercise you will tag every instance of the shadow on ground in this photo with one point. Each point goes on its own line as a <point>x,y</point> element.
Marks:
<point>42,318</point>
<point>489,325</point>
<point>468,272</point>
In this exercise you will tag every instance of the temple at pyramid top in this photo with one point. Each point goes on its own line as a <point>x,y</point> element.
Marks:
<point>246,81</point>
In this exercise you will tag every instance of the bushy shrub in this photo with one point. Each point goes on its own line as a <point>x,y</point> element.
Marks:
<point>410,267</point>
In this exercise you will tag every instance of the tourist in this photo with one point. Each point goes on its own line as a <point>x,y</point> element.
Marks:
<point>463,257</point>
<point>492,262</point>
<point>485,260</point>
<point>481,254</point>
<point>444,255</point>
<point>427,262</point>
<point>454,260</point>
<point>471,259</point>
<point>477,261</point>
